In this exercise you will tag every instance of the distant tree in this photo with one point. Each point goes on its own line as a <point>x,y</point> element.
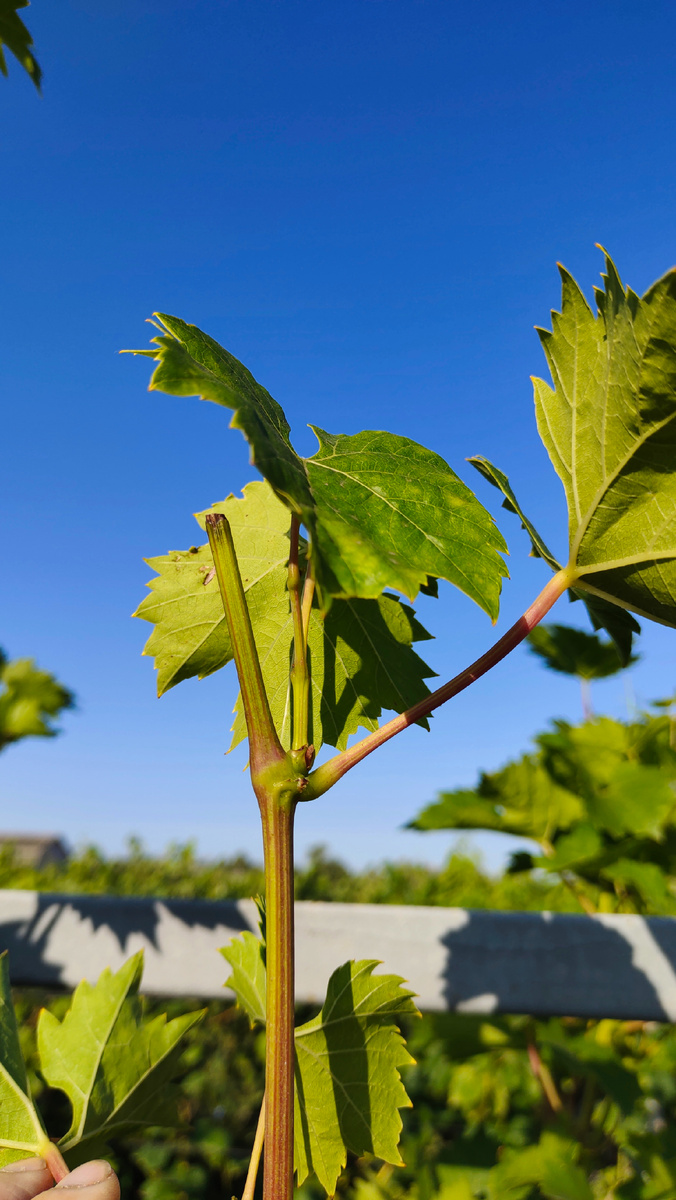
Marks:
<point>16,38</point>
<point>574,652</point>
<point>29,700</point>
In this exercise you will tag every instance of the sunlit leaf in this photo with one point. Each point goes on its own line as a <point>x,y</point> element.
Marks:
<point>114,1066</point>
<point>21,1131</point>
<point>380,510</point>
<point>29,700</point>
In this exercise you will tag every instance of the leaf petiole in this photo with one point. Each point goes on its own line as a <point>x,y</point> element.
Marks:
<point>329,773</point>
<point>299,674</point>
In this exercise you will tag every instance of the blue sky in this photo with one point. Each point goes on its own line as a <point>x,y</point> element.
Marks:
<point>364,201</point>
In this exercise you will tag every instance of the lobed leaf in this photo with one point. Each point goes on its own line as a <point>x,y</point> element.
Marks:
<point>390,513</point>
<point>114,1067</point>
<point>380,510</point>
<point>360,656</point>
<point>21,1130</point>
<point>348,1058</point>
<point>574,652</point>
<point>608,421</point>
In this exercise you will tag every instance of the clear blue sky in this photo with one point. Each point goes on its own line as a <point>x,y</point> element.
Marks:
<point>363,200</point>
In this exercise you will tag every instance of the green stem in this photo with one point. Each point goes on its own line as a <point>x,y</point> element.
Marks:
<point>264,745</point>
<point>299,674</point>
<point>329,773</point>
<point>280,1050</point>
<point>252,1173</point>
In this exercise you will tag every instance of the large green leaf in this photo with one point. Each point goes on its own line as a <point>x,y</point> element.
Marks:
<point>391,513</point>
<point>114,1067</point>
<point>21,1130</point>
<point>360,656</point>
<point>348,1086</point>
<point>609,426</point>
<point>380,510</point>
<point>15,36</point>
<point>617,622</point>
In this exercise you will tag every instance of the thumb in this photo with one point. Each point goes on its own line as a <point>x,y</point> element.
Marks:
<point>93,1180</point>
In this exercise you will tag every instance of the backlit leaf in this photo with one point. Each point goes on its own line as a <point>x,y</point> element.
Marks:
<point>608,423</point>
<point>29,699</point>
<point>390,513</point>
<point>114,1067</point>
<point>246,955</point>
<point>380,510</point>
<point>348,1086</point>
<point>191,634</point>
<point>361,661</point>
<point>21,1131</point>
<point>361,656</point>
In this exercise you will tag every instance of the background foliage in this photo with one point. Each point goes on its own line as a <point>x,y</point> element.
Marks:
<point>514,1107</point>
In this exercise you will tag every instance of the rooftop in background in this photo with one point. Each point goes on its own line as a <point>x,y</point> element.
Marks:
<point>35,850</point>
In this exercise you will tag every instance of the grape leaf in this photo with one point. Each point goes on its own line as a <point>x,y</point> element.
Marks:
<point>574,652</point>
<point>381,511</point>
<point>608,424</point>
<point>21,1130</point>
<point>390,513</point>
<point>521,799</point>
<point>15,36</point>
<point>360,656</point>
<point>348,1086</point>
<point>246,955</point>
<point>617,622</point>
<point>361,661</point>
<point>191,634</point>
<point>190,363</point>
<point>114,1067</point>
<point>551,1165</point>
<point>29,697</point>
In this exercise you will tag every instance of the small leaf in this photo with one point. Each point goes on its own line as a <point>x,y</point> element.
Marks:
<point>114,1067</point>
<point>21,1131</point>
<point>574,652</point>
<point>572,849</point>
<point>15,36</point>
<point>617,622</point>
<point>390,513</point>
<point>348,1086</point>
<point>551,1165</point>
<point>28,700</point>
<point>246,955</point>
<point>191,634</point>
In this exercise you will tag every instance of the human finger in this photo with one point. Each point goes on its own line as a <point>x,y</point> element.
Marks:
<point>25,1179</point>
<point>93,1180</point>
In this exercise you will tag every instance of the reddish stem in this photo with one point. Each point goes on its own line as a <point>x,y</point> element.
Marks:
<point>328,774</point>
